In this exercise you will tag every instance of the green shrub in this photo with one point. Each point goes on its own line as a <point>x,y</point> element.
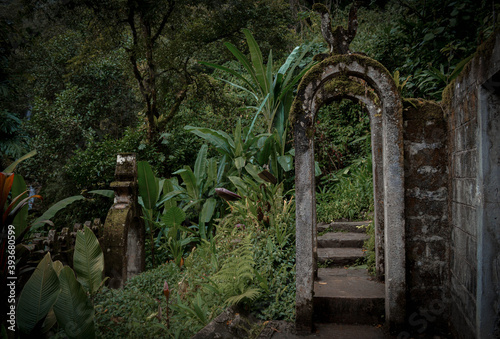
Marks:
<point>200,290</point>
<point>350,196</point>
<point>133,311</point>
<point>265,213</point>
<point>369,247</point>
<point>342,135</point>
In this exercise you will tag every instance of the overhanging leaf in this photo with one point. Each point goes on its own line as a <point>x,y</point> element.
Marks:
<point>207,210</point>
<point>88,260</point>
<point>52,211</point>
<point>104,193</point>
<point>148,184</point>
<point>221,140</point>
<point>12,166</point>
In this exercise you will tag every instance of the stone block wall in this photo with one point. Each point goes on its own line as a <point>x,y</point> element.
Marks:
<point>426,213</point>
<point>463,166</point>
<point>472,105</point>
<point>61,245</point>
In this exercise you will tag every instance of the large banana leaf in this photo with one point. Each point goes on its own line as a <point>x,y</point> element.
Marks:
<point>238,147</point>
<point>54,209</point>
<point>211,173</point>
<point>73,309</point>
<point>258,62</point>
<point>88,260</point>
<point>189,180</point>
<point>167,189</point>
<point>148,185</point>
<point>200,166</point>
<point>38,295</point>
<point>51,212</point>
<point>220,139</point>
<point>207,210</point>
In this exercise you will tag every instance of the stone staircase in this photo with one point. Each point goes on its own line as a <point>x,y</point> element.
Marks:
<point>345,295</point>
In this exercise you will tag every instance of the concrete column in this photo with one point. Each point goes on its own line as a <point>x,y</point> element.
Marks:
<point>488,213</point>
<point>305,202</point>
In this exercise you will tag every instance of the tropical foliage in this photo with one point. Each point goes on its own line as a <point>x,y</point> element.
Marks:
<point>54,294</point>
<point>83,80</point>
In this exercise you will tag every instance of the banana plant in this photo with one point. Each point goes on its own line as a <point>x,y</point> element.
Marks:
<point>278,87</point>
<point>198,189</point>
<point>274,93</point>
<point>159,196</point>
<point>53,293</point>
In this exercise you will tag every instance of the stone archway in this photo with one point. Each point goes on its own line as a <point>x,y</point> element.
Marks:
<point>317,87</point>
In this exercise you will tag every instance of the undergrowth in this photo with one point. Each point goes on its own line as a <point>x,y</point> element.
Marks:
<point>250,262</point>
<point>349,195</point>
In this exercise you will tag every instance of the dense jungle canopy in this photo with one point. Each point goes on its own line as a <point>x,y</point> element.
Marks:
<point>83,80</point>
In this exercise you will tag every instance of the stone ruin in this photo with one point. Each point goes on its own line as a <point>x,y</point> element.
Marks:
<point>61,244</point>
<point>436,172</point>
<point>124,233</point>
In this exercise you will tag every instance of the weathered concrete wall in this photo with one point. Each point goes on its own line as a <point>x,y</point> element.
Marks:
<point>426,214</point>
<point>474,127</point>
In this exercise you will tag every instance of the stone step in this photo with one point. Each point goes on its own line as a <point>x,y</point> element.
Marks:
<point>340,226</point>
<point>348,296</point>
<point>339,256</point>
<point>342,239</point>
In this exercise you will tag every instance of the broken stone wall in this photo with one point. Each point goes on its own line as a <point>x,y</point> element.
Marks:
<point>471,102</point>
<point>426,219</point>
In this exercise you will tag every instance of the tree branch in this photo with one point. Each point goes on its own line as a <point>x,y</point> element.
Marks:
<point>181,95</point>
<point>163,22</point>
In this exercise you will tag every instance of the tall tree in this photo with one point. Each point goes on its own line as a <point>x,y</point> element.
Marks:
<point>163,39</point>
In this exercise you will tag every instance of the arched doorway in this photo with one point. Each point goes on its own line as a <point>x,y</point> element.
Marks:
<point>347,76</point>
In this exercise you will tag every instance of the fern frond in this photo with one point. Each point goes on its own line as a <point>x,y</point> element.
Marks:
<point>236,276</point>
<point>250,293</point>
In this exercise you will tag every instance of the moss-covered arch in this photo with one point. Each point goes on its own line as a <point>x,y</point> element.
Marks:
<point>344,87</point>
<point>336,77</point>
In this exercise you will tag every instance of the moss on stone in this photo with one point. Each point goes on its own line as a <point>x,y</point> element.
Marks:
<point>341,83</point>
<point>312,75</point>
<point>310,132</point>
<point>345,85</point>
<point>483,53</point>
<point>418,109</point>
<point>316,71</point>
<point>320,57</point>
<point>296,107</point>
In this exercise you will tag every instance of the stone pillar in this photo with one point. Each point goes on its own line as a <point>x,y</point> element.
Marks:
<point>488,211</point>
<point>124,234</point>
<point>305,227</point>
